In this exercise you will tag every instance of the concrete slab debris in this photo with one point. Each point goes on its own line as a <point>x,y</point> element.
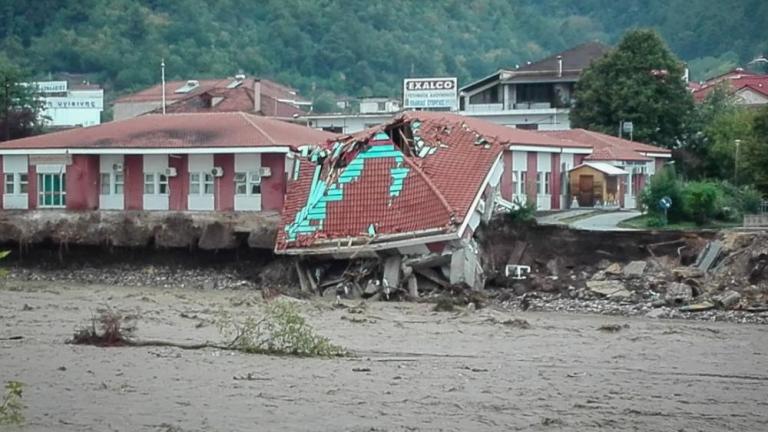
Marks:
<point>634,269</point>
<point>678,294</point>
<point>709,255</point>
<point>610,288</point>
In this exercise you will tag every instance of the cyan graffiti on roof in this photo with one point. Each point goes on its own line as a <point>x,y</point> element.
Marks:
<point>311,217</point>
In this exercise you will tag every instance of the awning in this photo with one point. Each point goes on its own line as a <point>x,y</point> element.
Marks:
<point>603,167</point>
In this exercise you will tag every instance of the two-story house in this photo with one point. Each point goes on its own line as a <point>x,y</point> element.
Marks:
<point>537,95</point>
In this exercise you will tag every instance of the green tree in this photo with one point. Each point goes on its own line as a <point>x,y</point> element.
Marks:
<point>756,152</point>
<point>20,105</point>
<point>640,81</point>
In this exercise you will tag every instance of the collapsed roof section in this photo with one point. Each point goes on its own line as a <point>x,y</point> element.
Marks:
<point>413,181</point>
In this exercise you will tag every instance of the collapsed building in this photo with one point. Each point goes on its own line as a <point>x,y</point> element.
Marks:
<point>412,192</point>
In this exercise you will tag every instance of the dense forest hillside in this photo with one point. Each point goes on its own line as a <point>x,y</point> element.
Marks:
<point>354,47</point>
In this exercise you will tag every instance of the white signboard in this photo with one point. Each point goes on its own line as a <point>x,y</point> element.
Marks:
<point>50,86</point>
<point>430,93</point>
<point>73,103</point>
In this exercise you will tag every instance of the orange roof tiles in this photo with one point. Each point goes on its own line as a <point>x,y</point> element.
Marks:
<point>178,131</point>
<point>607,147</point>
<point>437,193</point>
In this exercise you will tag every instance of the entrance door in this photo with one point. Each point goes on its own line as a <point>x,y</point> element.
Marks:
<point>52,190</point>
<point>586,184</point>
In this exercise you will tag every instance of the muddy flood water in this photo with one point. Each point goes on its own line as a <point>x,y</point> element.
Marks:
<point>419,370</point>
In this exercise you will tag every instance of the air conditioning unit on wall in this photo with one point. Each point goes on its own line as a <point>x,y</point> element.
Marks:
<point>170,172</point>
<point>217,171</point>
<point>265,171</point>
<point>118,167</point>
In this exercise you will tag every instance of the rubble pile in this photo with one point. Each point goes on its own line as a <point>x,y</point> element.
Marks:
<point>727,280</point>
<point>390,278</point>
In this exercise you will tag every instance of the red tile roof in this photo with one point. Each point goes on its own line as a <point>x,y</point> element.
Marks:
<point>436,194</point>
<point>178,131</point>
<point>240,98</point>
<point>737,80</point>
<point>607,147</point>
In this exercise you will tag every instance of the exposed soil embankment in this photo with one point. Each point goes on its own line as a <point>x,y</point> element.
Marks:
<point>536,245</point>
<point>139,229</point>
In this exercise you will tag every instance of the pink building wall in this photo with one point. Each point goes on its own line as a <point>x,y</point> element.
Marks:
<point>555,181</point>
<point>32,187</point>
<point>273,187</point>
<point>83,183</point>
<point>133,189</point>
<point>178,186</point>
<point>506,177</point>
<point>225,185</point>
<point>530,186</point>
<point>2,182</point>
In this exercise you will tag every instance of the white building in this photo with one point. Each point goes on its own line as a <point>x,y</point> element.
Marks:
<point>538,95</point>
<point>66,104</point>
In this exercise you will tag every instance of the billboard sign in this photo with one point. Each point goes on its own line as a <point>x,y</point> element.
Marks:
<point>427,93</point>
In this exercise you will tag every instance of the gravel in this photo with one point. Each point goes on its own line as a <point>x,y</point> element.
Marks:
<point>160,276</point>
<point>555,303</point>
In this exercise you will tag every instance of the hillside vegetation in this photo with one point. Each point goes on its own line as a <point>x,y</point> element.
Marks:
<point>354,47</point>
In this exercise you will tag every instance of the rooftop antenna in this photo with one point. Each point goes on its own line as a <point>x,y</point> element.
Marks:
<point>162,80</point>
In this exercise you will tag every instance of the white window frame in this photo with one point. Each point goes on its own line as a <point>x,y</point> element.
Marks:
<point>156,180</point>
<point>115,182</point>
<point>252,180</point>
<point>19,182</point>
<point>201,183</point>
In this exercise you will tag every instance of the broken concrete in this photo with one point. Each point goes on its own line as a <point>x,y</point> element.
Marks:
<point>611,289</point>
<point>634,269</point>
<point>678,294</point>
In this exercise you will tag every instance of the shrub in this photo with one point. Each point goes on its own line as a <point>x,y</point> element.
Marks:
<point>11,407</point>
<point>523,212</point>
<point>700,201</point>
<point>281,331</point>
<point>664,183</point>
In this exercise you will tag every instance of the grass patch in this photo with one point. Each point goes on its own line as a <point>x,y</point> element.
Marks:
<point>646,222</point>
<point>280,331</point>
<point>11,407</point>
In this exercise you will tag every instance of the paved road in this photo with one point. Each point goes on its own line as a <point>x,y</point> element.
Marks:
<point>557,217</point>
<point>605,221</point>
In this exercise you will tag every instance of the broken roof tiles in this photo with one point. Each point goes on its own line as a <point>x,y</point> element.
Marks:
<point>416,176</point>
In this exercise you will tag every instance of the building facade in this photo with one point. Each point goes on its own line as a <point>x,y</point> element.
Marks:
<point>177,162</point>
<point>536,96</point>
<point>67,104</point>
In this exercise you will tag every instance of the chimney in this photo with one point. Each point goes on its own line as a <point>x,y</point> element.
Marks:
<point>257,95</point>
<point>559,66</point>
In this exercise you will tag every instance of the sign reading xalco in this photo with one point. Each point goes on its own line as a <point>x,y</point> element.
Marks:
<point>430,93</point>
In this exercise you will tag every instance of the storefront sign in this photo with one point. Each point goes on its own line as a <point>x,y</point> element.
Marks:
<point>50,86</point>
<point>73,103</point>
<point>430,93</point>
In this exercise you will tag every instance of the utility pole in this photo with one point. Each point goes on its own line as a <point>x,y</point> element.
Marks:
<point>736,163</point>
<point>162,80</point>
<point>6,117</point>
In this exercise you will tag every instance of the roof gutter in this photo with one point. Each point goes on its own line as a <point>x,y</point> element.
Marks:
<point>337,247</point>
